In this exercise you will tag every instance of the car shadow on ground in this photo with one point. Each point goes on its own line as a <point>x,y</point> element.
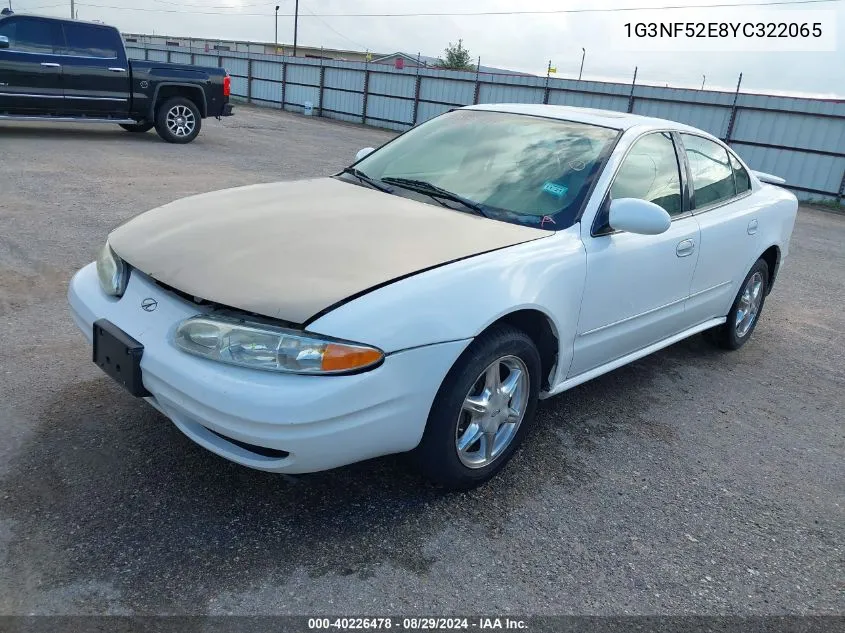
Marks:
<point>108,488</point>
<point>72,132</point>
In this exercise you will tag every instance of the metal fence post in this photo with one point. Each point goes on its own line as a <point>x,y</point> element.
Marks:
<point>249,80</point>
<point>416,100</point>
<point>546,86</point>
<point>168,57</point>
<point>284,82</point>
<point>322,83</point>
<point>193,59</point>
<point>631,96</point>
<point>841,195</point>
<point>146,53</point>
<point>365,95</point>
<point>732,118</point>
<point>477,83</point>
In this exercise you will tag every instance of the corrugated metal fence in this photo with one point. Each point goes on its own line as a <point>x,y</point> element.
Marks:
<point>802,140</point>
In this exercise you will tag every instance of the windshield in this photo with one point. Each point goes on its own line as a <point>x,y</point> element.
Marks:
<point>522,169</point>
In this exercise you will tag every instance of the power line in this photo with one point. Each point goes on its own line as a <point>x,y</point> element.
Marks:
<point>478,13</point>
<point>331,28</point>
<point>222,6</point>
<point>44,6</point>
<point>230,14</point>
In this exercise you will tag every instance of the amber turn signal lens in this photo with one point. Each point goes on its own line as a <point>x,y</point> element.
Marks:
<point>339,357</point>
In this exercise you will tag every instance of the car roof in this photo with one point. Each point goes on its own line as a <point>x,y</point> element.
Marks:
<point>52,18</point>
<point>605,118</point>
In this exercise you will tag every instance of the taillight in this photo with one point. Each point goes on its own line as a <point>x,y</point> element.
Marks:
<point>227,85</point>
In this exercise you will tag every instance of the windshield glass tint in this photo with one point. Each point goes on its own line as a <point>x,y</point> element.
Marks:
<point>523,169</point>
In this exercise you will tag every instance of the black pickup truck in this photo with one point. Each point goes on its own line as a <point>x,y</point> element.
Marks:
<point>67,70</point>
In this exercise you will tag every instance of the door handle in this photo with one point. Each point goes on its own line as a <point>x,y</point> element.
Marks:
<point>50,65</point>
<point>685,248</point>
<point>117,70</point>
<point>752,227</point>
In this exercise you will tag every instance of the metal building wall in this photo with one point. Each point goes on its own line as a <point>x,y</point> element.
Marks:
<point>802,140</point>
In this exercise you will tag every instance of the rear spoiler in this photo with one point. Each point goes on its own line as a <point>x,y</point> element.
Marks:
<point>769,178</point>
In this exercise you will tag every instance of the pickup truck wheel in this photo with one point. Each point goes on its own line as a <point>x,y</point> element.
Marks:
<point>482,411</point>
<point>139,128</point>
<point>178,120</point>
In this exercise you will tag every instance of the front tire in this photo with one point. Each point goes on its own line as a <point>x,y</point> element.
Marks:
<point>138,128</point>
<point>482,410</point>
<point>178,120</point>
<point>746,309</point>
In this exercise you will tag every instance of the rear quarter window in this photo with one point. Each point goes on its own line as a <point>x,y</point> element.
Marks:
<point>743,182</point>
<point>86,40</point>
<point>712,174</point>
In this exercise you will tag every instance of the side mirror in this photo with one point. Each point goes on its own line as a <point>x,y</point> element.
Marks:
<point>363,152</point>
<point>4,41</point>
<point>638,216</point>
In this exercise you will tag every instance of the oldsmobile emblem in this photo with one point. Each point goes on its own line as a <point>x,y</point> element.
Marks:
<point>149,304</point>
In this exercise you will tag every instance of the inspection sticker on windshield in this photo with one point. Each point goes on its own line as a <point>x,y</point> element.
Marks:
<point>554,189</point>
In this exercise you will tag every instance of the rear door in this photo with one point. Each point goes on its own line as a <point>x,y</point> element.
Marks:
<point>729,218</point>
<point>96,73</point>
<point>30,69</point>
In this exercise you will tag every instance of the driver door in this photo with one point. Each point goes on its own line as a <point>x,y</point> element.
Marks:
<point>30,68</point>
<point>637,285</point>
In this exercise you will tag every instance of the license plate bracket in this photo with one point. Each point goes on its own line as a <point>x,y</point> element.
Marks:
<point>119,356</point>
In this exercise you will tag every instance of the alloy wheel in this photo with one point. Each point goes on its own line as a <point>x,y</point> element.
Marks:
<point>492,412</point>
<point>181,121</point>
<point>749,304</point>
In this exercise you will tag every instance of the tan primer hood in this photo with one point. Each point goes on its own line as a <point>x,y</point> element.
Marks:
<point>290,250</point>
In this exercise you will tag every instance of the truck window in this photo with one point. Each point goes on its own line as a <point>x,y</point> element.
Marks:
<point>30,35</point>
<point>86,40</point>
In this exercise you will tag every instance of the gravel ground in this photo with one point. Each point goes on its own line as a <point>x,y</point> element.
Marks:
<point>692,482</point>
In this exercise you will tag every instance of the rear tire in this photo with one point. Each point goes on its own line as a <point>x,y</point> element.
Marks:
<point>489,395</point>
<point>138,128</point>
<point>178,120</point>
<point>745,311</point>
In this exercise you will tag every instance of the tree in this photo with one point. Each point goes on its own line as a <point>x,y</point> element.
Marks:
<point>456,58</point>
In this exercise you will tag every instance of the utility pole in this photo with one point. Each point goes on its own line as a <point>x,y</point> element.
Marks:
<point>71,10</point>
<point>295,24</point>
<point>276,38</point>
<point>583,55</point>
<point>703,79</point>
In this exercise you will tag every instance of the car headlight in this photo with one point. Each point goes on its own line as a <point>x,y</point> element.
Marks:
<point>112,271</point>
<point>268,347</point>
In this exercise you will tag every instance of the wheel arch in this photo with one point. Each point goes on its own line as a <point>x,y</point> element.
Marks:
<point>540,327</point>
<point>772,258</point>
<point>168,89</point>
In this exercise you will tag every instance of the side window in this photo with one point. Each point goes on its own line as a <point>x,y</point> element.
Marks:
<point>712,176</point>
<point>743,182</point>
<point>8,28</point>
<point>650,172</point>
<point>29,35</point>
<point>86,40</point>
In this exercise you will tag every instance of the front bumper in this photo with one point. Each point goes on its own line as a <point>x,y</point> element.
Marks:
<point>311,423</point>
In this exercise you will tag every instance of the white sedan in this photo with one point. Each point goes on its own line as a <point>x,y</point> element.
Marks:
<point>425,298</point>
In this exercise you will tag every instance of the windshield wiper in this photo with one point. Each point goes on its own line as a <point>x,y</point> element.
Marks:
<point>360,175</point>
<point>423,186</point>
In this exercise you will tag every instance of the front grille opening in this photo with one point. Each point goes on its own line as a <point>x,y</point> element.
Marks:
<point>219,308</point>
<point>259,450</point>
<point>184,295</point>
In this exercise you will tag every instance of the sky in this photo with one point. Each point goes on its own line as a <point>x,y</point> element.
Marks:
<point>521,42</point>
